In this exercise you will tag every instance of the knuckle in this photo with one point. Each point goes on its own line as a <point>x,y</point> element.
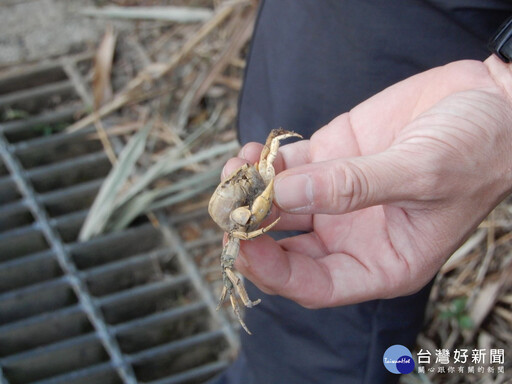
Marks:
<point>348,187</point>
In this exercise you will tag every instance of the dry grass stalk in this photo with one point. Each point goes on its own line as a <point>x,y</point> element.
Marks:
<point>168,13</point>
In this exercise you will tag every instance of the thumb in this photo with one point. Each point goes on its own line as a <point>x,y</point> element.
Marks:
<point>344,185</point>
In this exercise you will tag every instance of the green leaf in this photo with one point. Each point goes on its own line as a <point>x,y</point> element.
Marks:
<point>465,322</point>
<point>446,315</point>
<point>458,305</point>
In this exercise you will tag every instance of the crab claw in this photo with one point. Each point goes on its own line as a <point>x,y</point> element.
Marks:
<point>269,152</point>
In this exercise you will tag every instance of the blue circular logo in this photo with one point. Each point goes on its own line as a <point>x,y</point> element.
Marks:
<point>398,359</point>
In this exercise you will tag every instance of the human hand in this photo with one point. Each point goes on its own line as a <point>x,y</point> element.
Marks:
<point>387,191</point>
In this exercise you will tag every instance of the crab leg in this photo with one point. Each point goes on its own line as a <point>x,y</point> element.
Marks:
<point>236,310</point>
<point>237,282</point>
<point>227,259</point>
<point>223,295</point>
<point>231,280</point>
<point>253,234</point>
<point>269,152</point>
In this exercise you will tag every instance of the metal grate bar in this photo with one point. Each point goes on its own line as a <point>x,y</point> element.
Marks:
<point>173,313</point>
<point>21,241</point>
<point>51,140</point>
<point>13,215</point>
<point>90,187</point>
<point>89,160</point>
<point>114,246</point>
<point>204,371</point>
<point>86,375</point>
<point>43,91</point>
<point>175,346</point>
<point>199,342</point>
<point>67,173</point>
<point>68,343</point>
<point>109,343</point>
<point>29,296</point>
<point>13,326</point>
<point>42,329</point>
<point>129,262</point>
<point>48,71</point>
<point>131,294</point>
<point>17,128</point>
<point>78,216</point>
<point>31,269</point>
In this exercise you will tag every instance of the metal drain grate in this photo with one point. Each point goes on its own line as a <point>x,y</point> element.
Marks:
<point>128,307</point>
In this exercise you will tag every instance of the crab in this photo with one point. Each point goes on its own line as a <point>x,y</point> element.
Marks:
<point>239,205</point>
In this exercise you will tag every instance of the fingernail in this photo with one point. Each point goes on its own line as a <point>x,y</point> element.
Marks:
<point>294,193</point>
<point>241,153</point>
<point>223,174</point>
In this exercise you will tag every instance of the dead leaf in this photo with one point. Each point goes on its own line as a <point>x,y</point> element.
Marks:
<point>102,87</point>
<point>487,297</point>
